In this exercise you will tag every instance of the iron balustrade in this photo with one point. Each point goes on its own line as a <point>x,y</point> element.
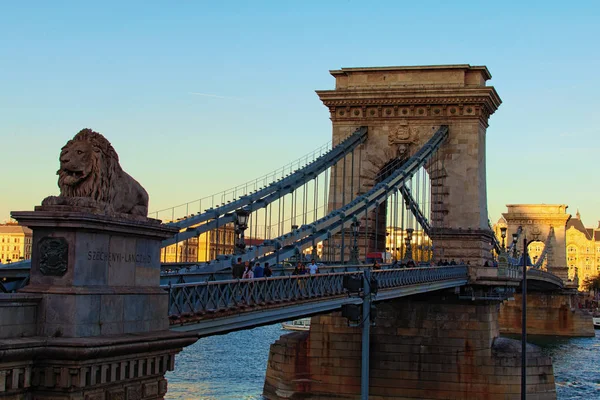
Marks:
<point>198,299</point>
<point>539,274</point>
<point>392,278</point>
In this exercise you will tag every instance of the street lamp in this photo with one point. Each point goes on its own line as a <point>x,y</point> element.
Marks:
<point>503,234</point>
<point>354,254</point>
<point>515,239</point>
<point>407,240</point>
<point>241,224</point>
<point>524,316</point>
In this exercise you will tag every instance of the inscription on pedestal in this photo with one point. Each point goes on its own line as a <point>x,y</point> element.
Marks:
<point>119,257</point>
<point>54,256</point>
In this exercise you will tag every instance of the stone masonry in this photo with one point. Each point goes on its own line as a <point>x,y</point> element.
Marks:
<point>421,348</point>
<point>552,314</point>
<point>92,324</point>
<point>402,108</point>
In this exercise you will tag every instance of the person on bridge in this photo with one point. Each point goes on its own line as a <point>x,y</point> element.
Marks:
<point>248,274</point>
<point>237,269</point>
<point>268,271</point>
<point>259,272</point>
<point>313,268</point>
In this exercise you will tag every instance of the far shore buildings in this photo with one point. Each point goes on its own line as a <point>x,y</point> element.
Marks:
<point>15,243</point>
<point>583,250</point>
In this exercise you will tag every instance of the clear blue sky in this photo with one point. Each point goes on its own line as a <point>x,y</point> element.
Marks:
<point>130,70</point>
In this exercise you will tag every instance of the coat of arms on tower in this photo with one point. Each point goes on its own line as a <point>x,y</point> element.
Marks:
<point>400,134</point>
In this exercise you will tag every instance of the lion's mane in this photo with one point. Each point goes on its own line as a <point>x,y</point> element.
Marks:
<point>100,184</point>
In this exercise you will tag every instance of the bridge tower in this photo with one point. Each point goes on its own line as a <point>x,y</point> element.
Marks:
<point>536,221</point>
<point>402,108</point>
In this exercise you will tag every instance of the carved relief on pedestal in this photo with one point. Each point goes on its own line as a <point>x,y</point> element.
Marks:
<point>54,256</point>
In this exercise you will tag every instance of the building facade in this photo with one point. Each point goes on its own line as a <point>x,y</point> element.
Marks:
<point>15,243</point>
<point>583,250</point>
<point>204,248</point>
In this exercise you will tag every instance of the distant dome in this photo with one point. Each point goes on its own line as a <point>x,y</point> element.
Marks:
<point>501,221</point>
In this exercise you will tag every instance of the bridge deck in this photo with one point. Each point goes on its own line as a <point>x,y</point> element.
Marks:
<point>224,306</point>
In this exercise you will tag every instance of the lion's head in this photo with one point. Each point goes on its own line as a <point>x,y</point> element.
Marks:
<point>87,164</point>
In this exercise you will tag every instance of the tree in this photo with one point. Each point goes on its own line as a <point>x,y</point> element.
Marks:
<point>592,284</point>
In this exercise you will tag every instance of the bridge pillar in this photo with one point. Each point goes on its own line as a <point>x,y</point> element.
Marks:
<point>100,327</point>
<point>402,108</point>
<point>551,314</point>
<point>536,220</point>
<point>424,347</point>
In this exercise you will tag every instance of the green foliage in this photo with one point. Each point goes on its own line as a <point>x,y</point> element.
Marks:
<point>592,284</point>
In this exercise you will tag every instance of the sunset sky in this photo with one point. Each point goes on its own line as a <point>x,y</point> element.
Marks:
<point>197,96</point>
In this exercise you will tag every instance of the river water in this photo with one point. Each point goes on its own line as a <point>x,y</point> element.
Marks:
<point>232,366</point>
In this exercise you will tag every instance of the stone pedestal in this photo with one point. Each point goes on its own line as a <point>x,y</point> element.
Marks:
<point>98,275</point>
<point>423,348</point>
<point>102,319</point>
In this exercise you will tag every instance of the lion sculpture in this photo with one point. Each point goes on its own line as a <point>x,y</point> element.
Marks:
<point>90,170</point>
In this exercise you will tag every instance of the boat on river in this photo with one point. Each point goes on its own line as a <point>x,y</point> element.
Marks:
<point>302,324</point>
<point>596,322</point>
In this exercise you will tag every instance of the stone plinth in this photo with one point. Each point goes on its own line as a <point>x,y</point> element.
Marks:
<point>552,314</point>
<point>101,368</point>
<point>94,311</point>
<point>97,275</point>
<point>423,348</point>
<point>18,315</point>
<point>402,107</point>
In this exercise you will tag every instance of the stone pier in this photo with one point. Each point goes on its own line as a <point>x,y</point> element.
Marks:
<point>421,348</point>
<point>552,314</point>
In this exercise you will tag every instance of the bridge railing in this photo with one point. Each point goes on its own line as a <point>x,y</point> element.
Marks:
<point>210,297</point>
<point>391,278</point>
<point>198,299</point>
<point>194,274</point>
<point>539,274</point>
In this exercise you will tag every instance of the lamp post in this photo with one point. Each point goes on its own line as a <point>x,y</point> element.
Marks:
<point>354,254</point>
<point>297,257</point>
<point>503,234</point>
<point>523,321</point>
<point>524,317</point>
<point>515,239</point>
<point>407,240</point>
<point>241,224</point>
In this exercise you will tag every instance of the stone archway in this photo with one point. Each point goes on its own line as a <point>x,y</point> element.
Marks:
<point>536,221</point>
<point>402,108</point>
